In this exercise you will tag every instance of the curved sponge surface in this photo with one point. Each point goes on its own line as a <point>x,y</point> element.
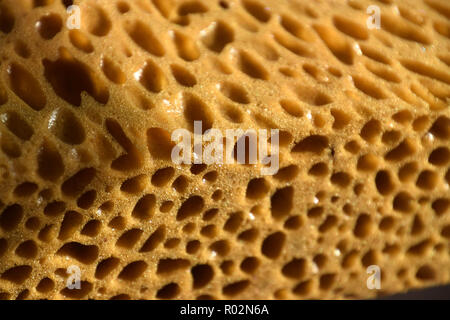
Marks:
<point>87,182</point>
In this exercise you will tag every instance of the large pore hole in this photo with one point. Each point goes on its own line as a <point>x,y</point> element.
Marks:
<point>49,25</point>
<point>17,125</point>
<point>257,10</point>
<point>196,110</point>
<point>151,77</point>
<point>26,87</point>
<point>80,41</point>
<point>314,144</point>
<point>273,245</point>
<point>11,217</point>
<point>159,143</point>
<point>70,77</point>
<point>133,271</point>
<point>145,207</point>
<point>7,19</point>
<point>105,267</point>
<point>234,92</point>
<point>144,37</point>
<point>66,126</point>
<point>257,188</point>
<point>191,207</point>
<point>97,21</point>
<point>186,47</point>
<point>112,71</point>
<point>167,266</point>
<point>282,202</point>
<point>312,96</point>
<point>86,254</point>
<point>154,240</point>
<point>50,162</point>
<point>75,185</point>
<point>17,275</point>
<point>217,36</point>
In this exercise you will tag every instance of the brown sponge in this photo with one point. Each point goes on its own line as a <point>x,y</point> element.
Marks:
<point>88,183</point>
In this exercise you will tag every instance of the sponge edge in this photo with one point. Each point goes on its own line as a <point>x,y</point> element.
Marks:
<point>88,188</point>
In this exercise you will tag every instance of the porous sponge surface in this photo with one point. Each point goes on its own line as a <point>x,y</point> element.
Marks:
<point>86,117</point>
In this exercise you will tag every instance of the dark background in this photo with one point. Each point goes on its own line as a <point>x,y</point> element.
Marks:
<point>436,293</point>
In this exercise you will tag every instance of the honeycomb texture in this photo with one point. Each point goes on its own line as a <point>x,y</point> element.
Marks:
<point>86,175</point>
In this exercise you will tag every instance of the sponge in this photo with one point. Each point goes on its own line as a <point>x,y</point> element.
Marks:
<point>92,205</point>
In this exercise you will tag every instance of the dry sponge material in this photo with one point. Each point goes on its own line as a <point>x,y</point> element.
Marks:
<point>87,180</point>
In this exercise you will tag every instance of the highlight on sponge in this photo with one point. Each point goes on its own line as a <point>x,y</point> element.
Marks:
<point>88,186</point>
